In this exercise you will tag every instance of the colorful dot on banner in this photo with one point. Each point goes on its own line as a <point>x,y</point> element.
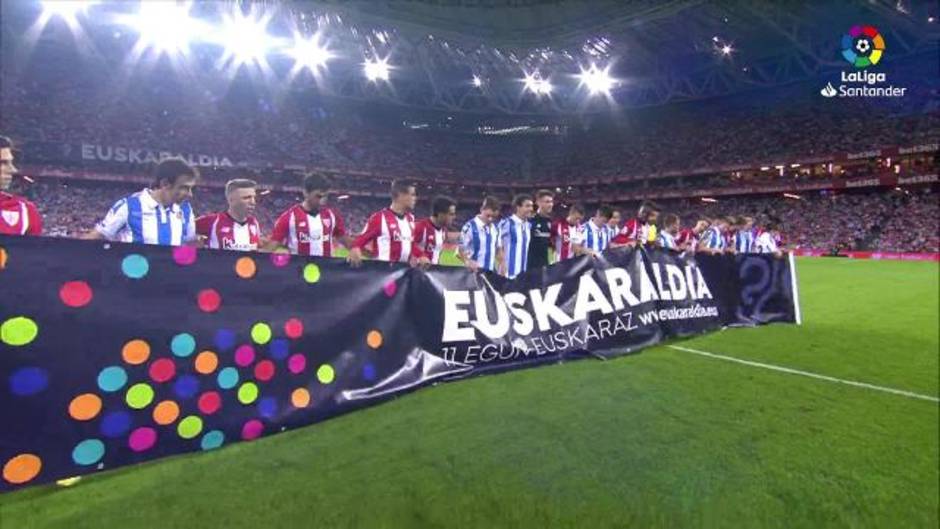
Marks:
<point>166,412</point>
<point>136,352</point>
<point>311,273</point>
<point>228,378</point>
<point>206,362</point>
<point>297,363</point>
<point>112,378</point>
<point>267,407</point>
<point>279,348</point>
<point>252,430</point>
<point>28,381</point>
<point>224,339</point>
<point>18,331</point>
<point>183,344</point>
<point>244,355</point>
<point>247,393</point>
<point>294,328</point>
<point>374,339</point>
<point>75,294</point>
<point>139,396</point>
<point>142,439</point>
<point>209,402</point>
<point>264,371</point>
<point>135,266</point>
<point>325,374</point>
<point>300,398</point>
<point>162,370</point>
<point>245,267</point>
<point>280,258</point>
<point>390,288</point>
<point>85,407</point>
<point>184,255</point>
<point>186,386</point>
<point>209,300</point>
<point>88,452</point>
<point>189,427</point>
<point>368,372</point>
<point>22,468</point>
<point>212,440</point>
<point>115,424</point>
<point>3,258</point>
<point>261,333</point>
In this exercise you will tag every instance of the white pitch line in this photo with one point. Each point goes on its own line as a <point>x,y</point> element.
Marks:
<point>772,367</point>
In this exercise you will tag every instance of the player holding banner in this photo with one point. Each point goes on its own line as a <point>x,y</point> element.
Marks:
<point>479,238</point>
<point>236,228</point>
<point>392,231</point>
<point>18,216</point>
<point>310,227</point>
<point>596,235</point>
<point>515,232</point>
<point>431,233</point>
<point>567,234</point>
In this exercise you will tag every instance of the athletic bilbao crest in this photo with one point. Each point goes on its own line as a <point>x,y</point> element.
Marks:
<point>11,217</point>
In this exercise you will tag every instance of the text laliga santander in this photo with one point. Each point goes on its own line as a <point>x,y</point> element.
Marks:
<point>539,308</point>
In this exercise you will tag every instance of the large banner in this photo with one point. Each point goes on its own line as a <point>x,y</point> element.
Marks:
<point>113,354</point>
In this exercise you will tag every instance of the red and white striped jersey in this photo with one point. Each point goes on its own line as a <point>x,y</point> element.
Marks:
<point>687,240</point>
<point>307,234</point>
<point>226,233</point>
<point>564,237</point>
<point>633,230</point>
<point>18,216</point>
<point>430,239</point>
<point>392,235</point>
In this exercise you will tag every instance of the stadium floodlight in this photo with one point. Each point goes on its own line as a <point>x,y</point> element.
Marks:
<point>726,49</point>
<point>245,37</point>
<point>535,84</point>
<point>165,26</point>
<point>477,82</point>
<point>597,81</point>
<point>376,69</point>
<point>309,53</point>
<point>67,9</point>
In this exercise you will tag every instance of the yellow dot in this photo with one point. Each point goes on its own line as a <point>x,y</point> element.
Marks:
<point>374,339</point>
<point>325,374</point>
<point>311,273</point>
<point>300,398</point>
<point>18,331</point>
<point>261,333</point>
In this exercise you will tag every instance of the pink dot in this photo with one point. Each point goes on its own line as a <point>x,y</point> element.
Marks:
<point>294,328</point>
<point>142,439</point>
<point>252,430</point>
<point>264,371</point>
<point>75,294</point>
<point>210,402</point>
<point>280,259</point>
<point>297,363</point>
<point>208,300</point>
<point>184,255</point>
<point>390,288</point>
<point>244,355</point>
<point>162,370</point>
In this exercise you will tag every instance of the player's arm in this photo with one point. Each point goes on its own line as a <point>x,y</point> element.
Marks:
<point>112,224</point>
<point>370,233</point>
<point>502,244</point>
<point>204,229</point>
<point>35,219</point>
<point>339,231</point>
<point>465,249</point>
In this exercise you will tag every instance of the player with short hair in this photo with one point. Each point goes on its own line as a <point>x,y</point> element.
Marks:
<point>613,225</point>
<point>638,230</point>
<point>541,228</point>
<point>667,235</point>
<point>514,236</point>
<point>766,239</point>
<point>18,216</point>
<point>479,238</point>
<point>431,233</point>
<point>311,227</point>
<point>236,228</point>
<point>596,236</point>
<point>567,234</point>
<point>392,230</point>
<point>714,241</point>
<point>688,238</point>
<point>160,214</point>
<point>744,235</point>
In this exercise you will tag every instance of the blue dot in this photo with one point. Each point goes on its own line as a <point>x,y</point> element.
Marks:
<point>88,452</point>
<point>368,372</point>
<point>279,348</point>
<point>135,266</point>
<point>28,381</point>
<point>115,424</point>
<point>186,386</point>
<point>224,339</point>
<point>212,440</point>
<point>228,378</point>
<point>112,378</point>
<point>183,344</point>
<point>267,407</point>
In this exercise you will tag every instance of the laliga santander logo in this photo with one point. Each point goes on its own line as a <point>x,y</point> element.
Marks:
<point>863,46</point>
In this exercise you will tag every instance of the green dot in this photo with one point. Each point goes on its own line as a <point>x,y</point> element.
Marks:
<point>139,396</point>
<point>189,427</point>
<point>18,331</point>
<point>247,393</point>
<point>261,333</point>
<point>311,273</point>
<point>325,374</point>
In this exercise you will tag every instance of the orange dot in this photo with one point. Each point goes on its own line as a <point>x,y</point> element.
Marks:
<point>300,398</point>
<point>245,267</point>
<point>85,407</point>
<point>3,258</point>
<point>166,412</point>
<point>206,362</point>
<point>136,352</point>
<point>22,468</point>
<point>374,339</point>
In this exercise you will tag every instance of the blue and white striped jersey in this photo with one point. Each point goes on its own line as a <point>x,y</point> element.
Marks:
<point>514,236</point>
<point>479,242</point>
<point>666,240</point>
<point>714,239</point>
<point>141,219</point>
<point>596,237</point>
<point>744,241</point>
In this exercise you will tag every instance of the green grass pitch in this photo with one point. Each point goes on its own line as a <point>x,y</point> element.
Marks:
<point>663,438</point>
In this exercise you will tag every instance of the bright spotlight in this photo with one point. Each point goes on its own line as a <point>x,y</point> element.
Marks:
<point>535,84</point>
<point>165,26</point>
<point>67,9</point>
<point>309,53</point>
<point>245,37</point>
<point>376,69</point>
<point>477,82</point>
<point>596,80</point>
<point>726,49</point>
